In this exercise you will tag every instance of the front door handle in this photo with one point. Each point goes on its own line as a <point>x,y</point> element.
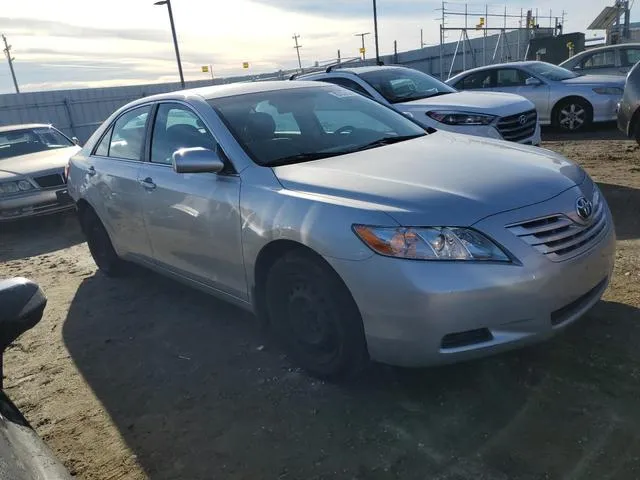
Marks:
<point>148,184</point>
<point>91,171</point>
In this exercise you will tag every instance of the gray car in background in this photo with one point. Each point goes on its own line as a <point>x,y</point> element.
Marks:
<point>563,99</point>
<point>609,60</point>
<point>352,232</point>
<point>33,158</point>
<point>629,108</point>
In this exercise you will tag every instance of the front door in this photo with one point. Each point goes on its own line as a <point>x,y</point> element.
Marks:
<point>193,220</point>
<point>514,80</point>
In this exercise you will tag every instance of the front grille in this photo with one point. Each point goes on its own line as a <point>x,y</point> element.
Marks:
<point>565,313</point>
<point>49,181</point>
<point>560,238</point>
<point>514,129</point>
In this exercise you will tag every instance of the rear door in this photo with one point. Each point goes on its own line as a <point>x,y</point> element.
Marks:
<point>113,175</point>
<point>194,219</point>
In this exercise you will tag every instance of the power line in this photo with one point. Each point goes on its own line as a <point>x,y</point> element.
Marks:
<point>297,47</point>
<point>10,59</point>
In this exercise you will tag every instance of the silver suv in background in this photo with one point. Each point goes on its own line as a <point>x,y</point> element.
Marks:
<point>348,228</point>
<point>629,108</point>
<point>434,104</point>
<point>609,60</point>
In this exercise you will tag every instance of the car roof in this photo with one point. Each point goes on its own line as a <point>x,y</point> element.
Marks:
<point>229,90</point>
<point>608,47</point>
<point>24,126</point>
<point>496,65</point>
<point>353,70</point>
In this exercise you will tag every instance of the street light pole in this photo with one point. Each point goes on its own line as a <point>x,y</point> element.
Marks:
<point>175,38</point>
<point>375,31</point>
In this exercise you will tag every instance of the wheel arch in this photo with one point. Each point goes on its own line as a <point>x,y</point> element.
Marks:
<point>560,102</point>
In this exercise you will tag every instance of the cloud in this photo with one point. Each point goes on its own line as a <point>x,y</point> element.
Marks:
<point>350,8</point>
<point>37,27</point>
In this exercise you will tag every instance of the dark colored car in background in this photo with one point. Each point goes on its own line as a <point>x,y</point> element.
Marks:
<point>629,107</point>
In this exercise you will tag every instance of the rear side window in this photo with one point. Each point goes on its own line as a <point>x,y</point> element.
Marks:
<point>347,83</point>
<point>510,77</point>
<point>103,147</point>
<point>475,81</point>
<point>127,135</point>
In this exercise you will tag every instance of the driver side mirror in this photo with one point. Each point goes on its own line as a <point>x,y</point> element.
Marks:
<point>197,160</point>
<point>532,82</point>
<point>22,304</point>
<point>75,140</point>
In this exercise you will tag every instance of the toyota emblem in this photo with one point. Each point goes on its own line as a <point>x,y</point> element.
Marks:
<point>584,208</point>
<point>522,119</point>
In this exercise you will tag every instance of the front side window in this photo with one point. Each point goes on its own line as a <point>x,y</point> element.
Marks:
<point>331,120</point>
<point>127,139</point>
<point>475,81</point>
<point>177,127</point>
<point>510,77</point>
<point>404,84</point>
<point>31,140</point>
<point>605,59</point>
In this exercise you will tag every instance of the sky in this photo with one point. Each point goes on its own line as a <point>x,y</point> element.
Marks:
<point>95,43</point>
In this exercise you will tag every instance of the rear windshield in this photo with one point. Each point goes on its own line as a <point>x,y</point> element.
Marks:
<point>31,140</point>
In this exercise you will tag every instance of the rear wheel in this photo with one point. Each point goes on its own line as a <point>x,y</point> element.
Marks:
<point>100,244</point>
<point>573,115</point>
<point>314,316</point>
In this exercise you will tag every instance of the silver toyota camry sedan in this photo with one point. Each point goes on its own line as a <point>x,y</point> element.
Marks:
<point>350,230</point>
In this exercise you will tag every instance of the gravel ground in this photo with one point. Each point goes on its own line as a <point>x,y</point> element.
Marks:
<point>142,378</point>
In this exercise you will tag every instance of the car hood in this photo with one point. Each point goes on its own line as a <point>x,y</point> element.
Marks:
<point>596,80</point>
<point>33,163</point>
<point>439,179</point>
<point>494,103</point>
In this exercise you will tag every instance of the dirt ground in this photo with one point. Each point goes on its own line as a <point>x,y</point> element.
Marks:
<point>142,378</point>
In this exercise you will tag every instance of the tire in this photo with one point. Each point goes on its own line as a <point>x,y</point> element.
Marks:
<point>314,316</point>
<point>636,132</point>
<point>573,115</point>
<point>100,246</point>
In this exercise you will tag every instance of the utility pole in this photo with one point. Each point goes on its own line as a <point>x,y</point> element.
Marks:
<point>421,39</point>
<point>375,31</point>
<point>297,47</point>
<point>362,50</point>
<point>10,59</point>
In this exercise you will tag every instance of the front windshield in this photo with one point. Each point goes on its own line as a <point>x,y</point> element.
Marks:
<point>551,72</point>
<point>301,124</point>
<point>405,84</point>
<point>31,140</point>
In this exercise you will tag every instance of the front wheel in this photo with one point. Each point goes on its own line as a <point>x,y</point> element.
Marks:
<point>314,316</point>
<point>573,115</point>
<point>100,244</point>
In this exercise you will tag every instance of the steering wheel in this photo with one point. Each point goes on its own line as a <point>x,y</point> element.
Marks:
<point>346,130</point>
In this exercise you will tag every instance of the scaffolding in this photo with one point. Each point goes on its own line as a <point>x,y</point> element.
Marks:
<point>503,22</point>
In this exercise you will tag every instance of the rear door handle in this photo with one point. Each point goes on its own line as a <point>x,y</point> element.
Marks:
<point>91,171</point>
<point>148,184</point>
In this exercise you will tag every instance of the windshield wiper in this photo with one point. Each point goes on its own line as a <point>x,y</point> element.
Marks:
<point>302,157</point>
<point>385,141</point>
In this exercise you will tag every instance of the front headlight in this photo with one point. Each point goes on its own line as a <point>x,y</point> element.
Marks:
<point>608,90</point>
<point>8,188</point>
<point>460,118</point>
<point>433,243</point>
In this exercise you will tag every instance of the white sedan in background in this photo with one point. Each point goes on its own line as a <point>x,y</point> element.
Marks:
<point>436,105</point>
<point>563,99</point>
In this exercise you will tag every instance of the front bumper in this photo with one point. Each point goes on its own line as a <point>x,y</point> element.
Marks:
<point>419,313</point>
<point>35,203</point>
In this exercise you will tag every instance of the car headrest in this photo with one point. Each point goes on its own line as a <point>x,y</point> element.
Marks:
<point>260,126</point>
